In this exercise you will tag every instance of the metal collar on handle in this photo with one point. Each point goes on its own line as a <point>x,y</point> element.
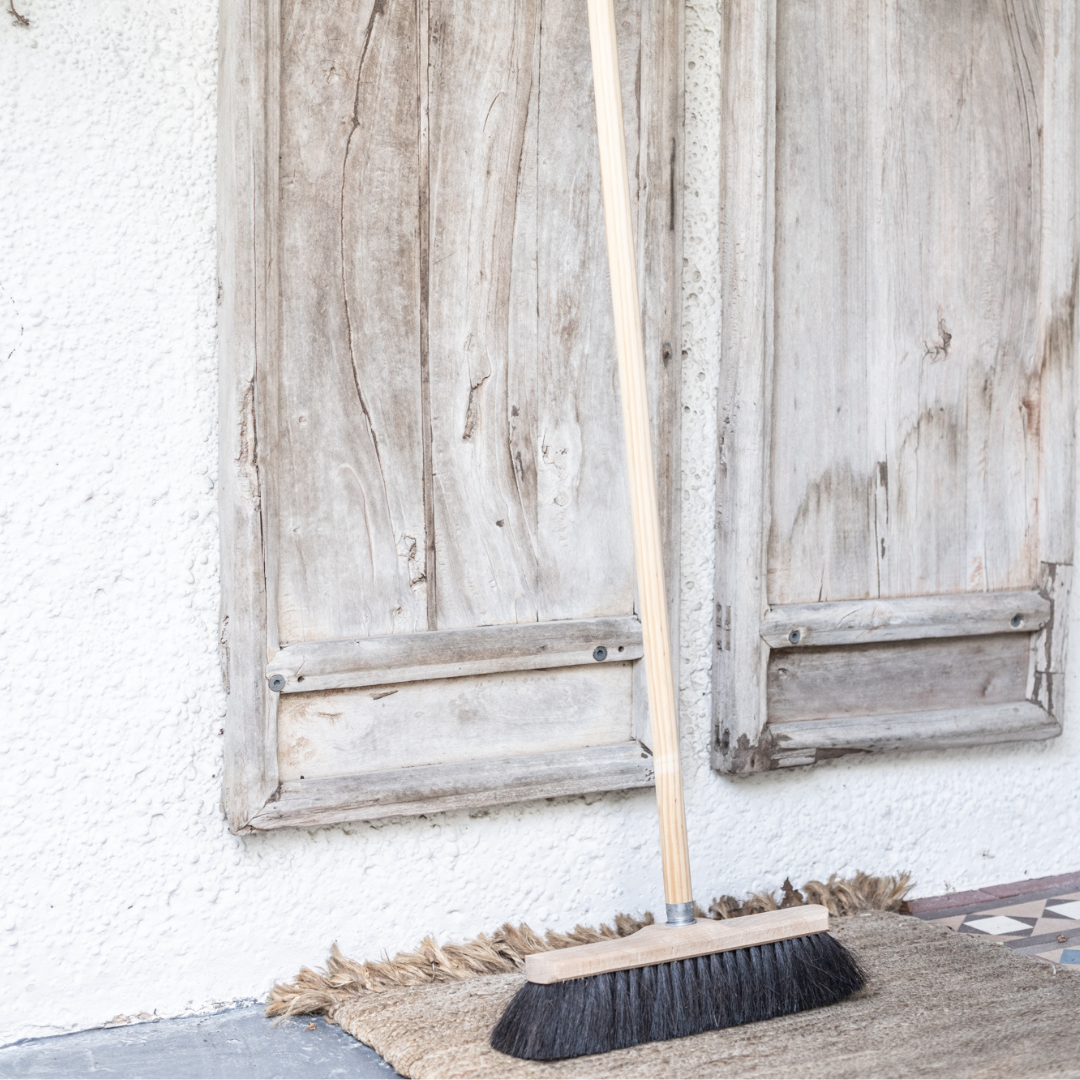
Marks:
<point>680,914</point>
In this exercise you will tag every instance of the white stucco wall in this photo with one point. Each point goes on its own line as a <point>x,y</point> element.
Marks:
<point>122,891</point>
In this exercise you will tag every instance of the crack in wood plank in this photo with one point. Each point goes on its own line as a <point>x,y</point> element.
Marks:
<point>378,8</point>
<point>423,87</point>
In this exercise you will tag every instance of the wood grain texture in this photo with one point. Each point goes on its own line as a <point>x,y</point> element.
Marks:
<point>531,499</point>
<point>439,788</point>
<point>1057,352</point>
<point>347,462</point>
<point>444,654</point>
<point>657,149</point>
<point>747,134</point>
<point>1058,296</point>
<point>897,677</point>
<point>581,465</point>
<point>411,260</point>
<point>905,449</point>
<point>445,721</point>
<point>900,279</point>
<point>820,535</point>
<point>855,622</point>
<point>446,352</point>
<point>246,180</point>
<point>805,742</point>
<point>658,244</point>
<point>660,944</point>
<point>482,80</point>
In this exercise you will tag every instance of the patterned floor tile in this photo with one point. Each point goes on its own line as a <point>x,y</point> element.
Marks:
<point>1000,926</point>
<point>1054,926</point>
<point>951,922</point>
<point>1043,925</point>
<point>1031,909</point>
<point>1054,955</point>
<point>1064,906</point>
<point>1060,956</point>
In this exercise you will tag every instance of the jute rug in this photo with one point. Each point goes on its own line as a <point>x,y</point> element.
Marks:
<point>939,1004</point>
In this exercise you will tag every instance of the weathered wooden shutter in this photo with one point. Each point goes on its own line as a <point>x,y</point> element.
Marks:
<point>895,503</point>
<point>428,573</point>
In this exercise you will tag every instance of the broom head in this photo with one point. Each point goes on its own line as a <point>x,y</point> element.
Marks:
<point>668,981</point>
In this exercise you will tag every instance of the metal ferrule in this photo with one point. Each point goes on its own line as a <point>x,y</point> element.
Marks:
<point>680,914</point>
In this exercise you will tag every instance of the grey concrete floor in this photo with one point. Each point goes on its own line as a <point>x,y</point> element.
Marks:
<point>238,1043</point>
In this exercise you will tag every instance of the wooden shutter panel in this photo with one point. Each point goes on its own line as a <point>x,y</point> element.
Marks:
<point>899,307</point>
<point>423,491</point>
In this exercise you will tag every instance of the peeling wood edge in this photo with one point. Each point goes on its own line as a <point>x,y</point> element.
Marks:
<point>430,789</point>
<point>1048,647</point>
<point>858,622</point>
<point>639,705</point>
<point>807,742</point>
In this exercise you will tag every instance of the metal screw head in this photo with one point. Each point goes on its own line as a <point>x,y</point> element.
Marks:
<point>599,653</point>
<point>277,683</point>
<point>795,636</point>
<point>1016,620</point>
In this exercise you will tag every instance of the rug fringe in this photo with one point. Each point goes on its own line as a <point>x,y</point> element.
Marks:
<point>315,992</point>
<point>842,896</point>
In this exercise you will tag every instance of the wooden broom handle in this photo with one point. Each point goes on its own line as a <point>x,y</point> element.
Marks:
<point>644,511</point>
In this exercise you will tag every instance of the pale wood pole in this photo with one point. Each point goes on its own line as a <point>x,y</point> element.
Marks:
<point>645,514</point>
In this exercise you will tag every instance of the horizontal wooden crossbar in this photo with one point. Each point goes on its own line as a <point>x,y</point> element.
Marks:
<point>802,742</point>
<point>858,622</point>
<point>446,654</point>
<point>433,788</point>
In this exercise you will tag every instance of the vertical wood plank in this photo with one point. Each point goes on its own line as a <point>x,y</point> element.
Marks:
<point>530,487</point>
<point>659,246</point>
<point>659,204</point>
<point>423,77</point>
<point>245,172</point>
<point>1054,406</point>
<point>481,85</point>
<point>905,418</point>
<point>584,548</point>
<point>960,186</point>
<point>349,456</point>
<point>821,542</point>
<point>746,254</point>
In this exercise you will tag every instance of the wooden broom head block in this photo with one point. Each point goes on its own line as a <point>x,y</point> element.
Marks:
<point>660,944</point>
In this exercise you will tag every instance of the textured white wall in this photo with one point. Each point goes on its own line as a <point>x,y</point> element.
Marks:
<point>122,891</point>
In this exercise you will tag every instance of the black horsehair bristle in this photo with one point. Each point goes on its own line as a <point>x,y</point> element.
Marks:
<point>685,997</point>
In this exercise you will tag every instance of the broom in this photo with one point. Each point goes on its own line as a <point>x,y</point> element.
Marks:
<point>684,977</point>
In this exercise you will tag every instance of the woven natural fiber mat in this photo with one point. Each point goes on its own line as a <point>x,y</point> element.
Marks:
<point>938,1004</point>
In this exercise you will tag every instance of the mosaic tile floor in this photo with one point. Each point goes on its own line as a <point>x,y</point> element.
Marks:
<point>1043,923</point>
